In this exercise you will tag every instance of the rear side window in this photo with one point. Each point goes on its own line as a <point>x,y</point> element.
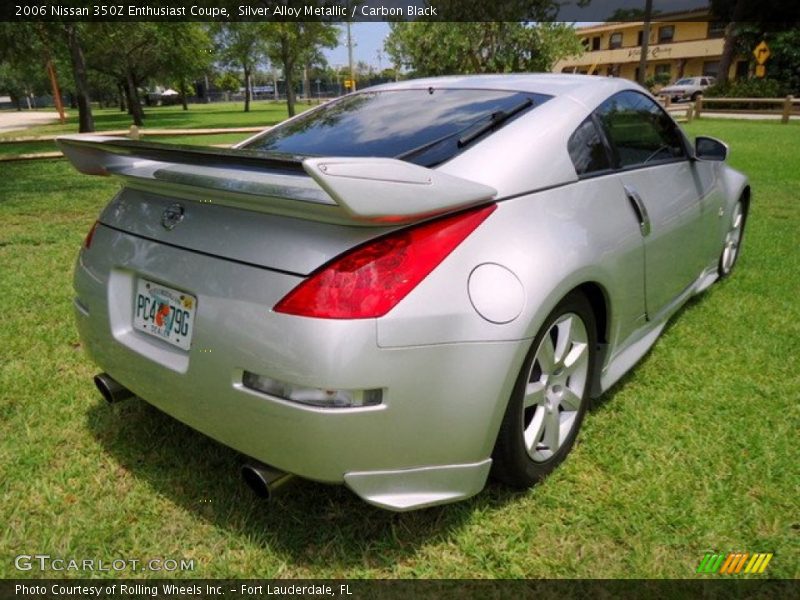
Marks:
<point>424,126</point>
<point>586,149</point>
<point>639,131</point>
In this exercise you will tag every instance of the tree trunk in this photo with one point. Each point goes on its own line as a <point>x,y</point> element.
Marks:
<point>247,89</point>
<point>183,94</point>
<point>290,94</point>
<point>121,95</point>
<point>648,15</point>
<point>128,103</point>
<point>84,102</point>
<point>727,52</point>
<point>134,105</point>
<point>730,42</point>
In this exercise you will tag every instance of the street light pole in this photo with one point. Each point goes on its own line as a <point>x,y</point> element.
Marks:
<point>350,58</point>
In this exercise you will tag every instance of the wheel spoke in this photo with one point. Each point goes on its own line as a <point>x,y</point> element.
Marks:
<point>534,394</point>
<point>552,429</point>
<point>546,355</point>
<point>576,357</point>
<point>732,239</point>
<point>737,217</point>
<point>534,431</point>
<point>563,339</point>
<point>570,401</point>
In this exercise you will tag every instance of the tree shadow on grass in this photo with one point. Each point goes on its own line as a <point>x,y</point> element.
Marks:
<point>311,525</point>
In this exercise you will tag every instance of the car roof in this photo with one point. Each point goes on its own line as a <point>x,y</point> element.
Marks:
<point>586,89</point>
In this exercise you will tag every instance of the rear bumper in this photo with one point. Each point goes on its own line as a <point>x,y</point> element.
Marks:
<point>428,442</point>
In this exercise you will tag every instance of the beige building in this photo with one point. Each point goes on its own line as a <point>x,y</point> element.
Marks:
<point>680,46</point>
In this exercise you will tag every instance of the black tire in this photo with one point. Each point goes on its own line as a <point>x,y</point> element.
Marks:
<point>695,96</point>
<point>512,463</point>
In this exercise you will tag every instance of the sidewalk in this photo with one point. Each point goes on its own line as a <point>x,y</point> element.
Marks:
<point>12,120</point>
<point>747,117</point>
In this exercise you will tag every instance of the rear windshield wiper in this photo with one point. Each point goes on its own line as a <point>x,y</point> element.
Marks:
<point>497,118</point>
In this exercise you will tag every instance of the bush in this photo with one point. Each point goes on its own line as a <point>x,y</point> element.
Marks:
<point>747,88</point>
<point>658,80</point>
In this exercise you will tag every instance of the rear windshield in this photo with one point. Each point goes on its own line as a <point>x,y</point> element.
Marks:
<point>424,126</point>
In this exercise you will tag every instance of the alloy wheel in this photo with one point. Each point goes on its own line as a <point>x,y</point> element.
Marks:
<point>555,387</point>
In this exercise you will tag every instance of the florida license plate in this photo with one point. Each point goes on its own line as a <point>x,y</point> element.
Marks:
<point>165,313</point>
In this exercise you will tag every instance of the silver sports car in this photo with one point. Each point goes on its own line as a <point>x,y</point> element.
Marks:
<point>409,288</point>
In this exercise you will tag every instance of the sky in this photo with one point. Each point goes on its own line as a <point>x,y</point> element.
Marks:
<point>368,40</point>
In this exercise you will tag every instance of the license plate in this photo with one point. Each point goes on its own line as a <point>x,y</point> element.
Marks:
<point>165,313</point>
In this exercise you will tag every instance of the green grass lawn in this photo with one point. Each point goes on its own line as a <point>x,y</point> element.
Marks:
<point>695,450</point>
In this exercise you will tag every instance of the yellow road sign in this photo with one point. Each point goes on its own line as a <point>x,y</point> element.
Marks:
<point>761,70</point>
<point>761,52</point>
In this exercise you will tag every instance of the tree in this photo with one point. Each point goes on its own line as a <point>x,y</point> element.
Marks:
<point>741,15</point>
<point>433,48</point>
<point>21,62</point>
<point>130,53</point>
<point>294,45</point>
<point>785,62</point>
<point>242,44</point>
<point>187,53</point>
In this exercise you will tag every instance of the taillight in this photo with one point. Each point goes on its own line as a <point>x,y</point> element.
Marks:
<point>87,242</point>
<point>368,281</point>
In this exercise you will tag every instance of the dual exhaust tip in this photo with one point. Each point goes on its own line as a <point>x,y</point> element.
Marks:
<point>262,479</point>
<point>111,389</point>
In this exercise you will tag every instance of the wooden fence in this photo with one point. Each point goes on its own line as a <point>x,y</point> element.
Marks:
<point>785,107</point>
<point>134,133</point>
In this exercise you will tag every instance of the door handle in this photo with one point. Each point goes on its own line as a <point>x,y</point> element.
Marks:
<point>639,208</point>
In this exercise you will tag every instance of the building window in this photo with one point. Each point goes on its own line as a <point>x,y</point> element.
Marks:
<point>711,68</point>
<point>716,29</point>
<point>665,34</point>
<point>596,42</point>
<point>585,43</point>
<point>639,38</point>
<point>615,41</point>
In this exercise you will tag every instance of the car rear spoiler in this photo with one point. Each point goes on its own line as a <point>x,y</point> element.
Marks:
<point>350,190</point>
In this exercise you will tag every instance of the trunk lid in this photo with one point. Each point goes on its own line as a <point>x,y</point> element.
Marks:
<point>282,213</point>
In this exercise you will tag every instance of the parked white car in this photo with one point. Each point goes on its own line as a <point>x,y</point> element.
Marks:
<point>688,88</point>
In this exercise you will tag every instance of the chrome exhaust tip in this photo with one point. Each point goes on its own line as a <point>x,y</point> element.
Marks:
<point>110,389</point>
<point>263,479</point>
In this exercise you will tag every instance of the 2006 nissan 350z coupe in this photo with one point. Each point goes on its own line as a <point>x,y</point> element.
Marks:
<point>410,287</point>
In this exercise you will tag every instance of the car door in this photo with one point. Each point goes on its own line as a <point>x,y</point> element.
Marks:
<point>656,176</point>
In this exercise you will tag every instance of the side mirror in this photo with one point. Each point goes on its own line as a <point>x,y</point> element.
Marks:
<point>708,148</point>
